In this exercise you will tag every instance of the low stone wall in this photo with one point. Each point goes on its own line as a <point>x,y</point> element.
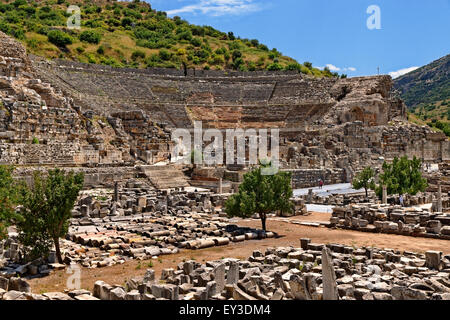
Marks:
<point>93,177</point>
<point>339,199</point>
<point>392,219</point>
<point>305,178</point>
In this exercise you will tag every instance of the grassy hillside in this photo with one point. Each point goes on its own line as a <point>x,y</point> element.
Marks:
<point>426,92</point>
<point>132,34</point>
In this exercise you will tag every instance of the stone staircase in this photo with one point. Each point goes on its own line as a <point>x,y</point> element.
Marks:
<point>164,177</point>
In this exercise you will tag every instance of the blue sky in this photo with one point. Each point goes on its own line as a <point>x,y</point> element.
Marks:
<point>332,32</point>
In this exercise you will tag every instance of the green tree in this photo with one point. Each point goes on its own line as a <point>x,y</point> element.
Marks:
<point>261,194</point>
<point>365,179</point>
<point>46,209</point>
<point>8,199</point>
<point>402,176</point>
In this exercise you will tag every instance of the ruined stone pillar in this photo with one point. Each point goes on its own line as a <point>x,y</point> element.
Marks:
<point>310,194</point>
<point>330,291</point>
<point>384,197</point>
<point>220,186</point>
<point>439,198</point>
<point>167,204</point>
<point>116,191</point>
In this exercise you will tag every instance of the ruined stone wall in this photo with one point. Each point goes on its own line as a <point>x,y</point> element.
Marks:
<point>304,178</point>
<point>93,177</point>
<point>42,125</point>
<point>226,100</point>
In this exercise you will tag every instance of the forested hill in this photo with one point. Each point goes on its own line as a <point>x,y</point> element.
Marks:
<point>429,84</point>
<point>426,92</point>
<point>132,34</point>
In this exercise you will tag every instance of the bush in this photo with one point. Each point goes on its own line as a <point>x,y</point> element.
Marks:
<point>236,54</point>
<point>59,38</point>
<point>294,67</point>
<point>138,54</point>
<point>308,65</point>
<point>126,22</point>
<point>238,63</point>
<point>90,37</point>
<point>186,35</point>
<point>164,54</point>
<point>274,67</point>
<point>196,42</point>
<point>101,50</point>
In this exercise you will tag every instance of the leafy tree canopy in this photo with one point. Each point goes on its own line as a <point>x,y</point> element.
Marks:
<point>261,194</point>
<point>365,179</point>
<point>402,176</point>
<point>46,209</point>
<point>9,197</point>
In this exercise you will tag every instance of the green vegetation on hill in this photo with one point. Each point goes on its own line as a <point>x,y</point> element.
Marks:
<point>426,92</point>
<point>132,34</point>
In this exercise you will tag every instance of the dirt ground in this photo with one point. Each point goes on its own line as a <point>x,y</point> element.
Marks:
<point>289,236</point>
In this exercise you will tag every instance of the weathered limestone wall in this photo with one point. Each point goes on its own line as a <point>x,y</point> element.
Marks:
<point>41,125</point>
<point>93,177</point>
<point>304,178</point>
<point>226,100</point>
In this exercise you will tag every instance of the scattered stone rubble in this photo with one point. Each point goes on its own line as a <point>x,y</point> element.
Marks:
<point>141,224</point>
<point>309,272</point>
<point>393,219</point>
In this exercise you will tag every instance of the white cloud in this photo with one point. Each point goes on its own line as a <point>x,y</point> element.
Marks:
<point>218,7</point>
<point>399,73</point>
<point>333,68</point>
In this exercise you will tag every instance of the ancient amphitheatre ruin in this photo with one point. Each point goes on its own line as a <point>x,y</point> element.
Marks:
<point>144,228</point>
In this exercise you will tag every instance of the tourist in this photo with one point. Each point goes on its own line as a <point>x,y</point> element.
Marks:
<point>401,200</point>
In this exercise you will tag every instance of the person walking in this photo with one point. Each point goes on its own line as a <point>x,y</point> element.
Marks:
<point>320,184</point>
<point>401,200</point>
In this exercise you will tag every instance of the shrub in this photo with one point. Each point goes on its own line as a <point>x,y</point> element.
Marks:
<point>308,65</point>
<point>101,50</point>
<point>274,67</point>
<point>263,47</point>
<point>59,38</point>
<point>138,54</point>
<point>238,63</point>
<point>164,54</point>
<point>90,37</point>
<point>126,22</point>
<point>294,67</point>
<point>236,54</point>
<point>186,35</point>
<point>196,42</point>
